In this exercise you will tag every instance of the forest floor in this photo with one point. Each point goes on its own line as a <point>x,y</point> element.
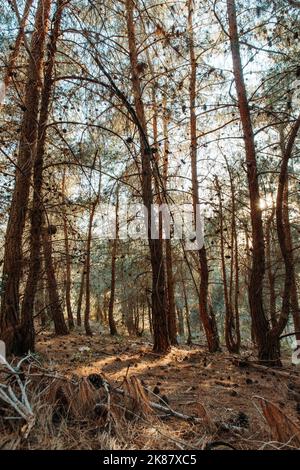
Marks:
<point>219,388</point>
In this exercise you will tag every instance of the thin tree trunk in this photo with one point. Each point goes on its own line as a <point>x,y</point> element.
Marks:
<point>39,304</point>
<point>271,275</point>
<point>149,315</point>
<point>229,317</point>
<point>88,272</point>
<point>187,310</point>
<point>80,297</point>
<point>111,320</point>
<point>172,326</point>
<point>105,307</point>
<point>141,332</point>
<point>234,263</point>
<point>159,317</point>
<point>68,260</point>
<point>180,322</point>
<point>206,314</point>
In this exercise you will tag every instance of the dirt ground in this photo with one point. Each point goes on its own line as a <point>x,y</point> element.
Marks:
<point>216,387</point>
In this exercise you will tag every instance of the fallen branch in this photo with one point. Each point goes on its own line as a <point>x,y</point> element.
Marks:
<point>262,368</point>
<point>21,406</point>
<point>165,409</point>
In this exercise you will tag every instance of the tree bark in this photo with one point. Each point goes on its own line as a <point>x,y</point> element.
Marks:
<point>15,52</point>
<point>172,325</point>
<point>55,308</point>
<point>111,320</point>
<point>270,272</point>
<point>12,263</point>
<point>230,338</point>
<point>294,291</point>
<point>268,350</point>
<point>180,322</point>
<point>206,314</point>
<point>187,310</point>
<point>68,260</point>
<point>36,218</point>
<point>235,263</point>
<point>80,297</point>
<point>284,238</point>
<point>88,270</point>
<point>159,316</point>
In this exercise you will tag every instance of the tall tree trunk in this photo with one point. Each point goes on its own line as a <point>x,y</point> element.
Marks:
<point>55,307</point>
<point>288,237</point>
<point>172,326</point>
<point>206,314</point>
<point>270,272</point>
<point>12,263</point>
<point>111,320</point>
<point>88,271</point>
<point>187,310</point>
<point>36,219</point>
<point>289,297</point>
<point>68,259</point>
<point>268,350</point>
<point>159,317</point>
<point>234,263</point>
<point>231,342</point>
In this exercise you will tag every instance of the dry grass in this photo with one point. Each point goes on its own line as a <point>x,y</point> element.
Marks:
<point>74,412</point>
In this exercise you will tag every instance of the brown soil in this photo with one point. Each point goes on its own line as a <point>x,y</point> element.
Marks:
<point>191,380</point>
